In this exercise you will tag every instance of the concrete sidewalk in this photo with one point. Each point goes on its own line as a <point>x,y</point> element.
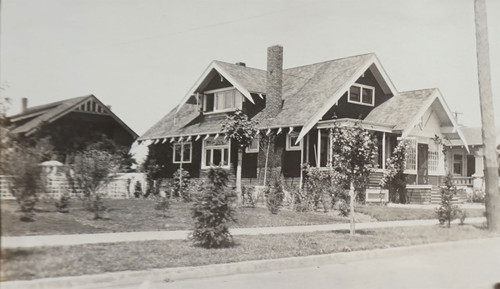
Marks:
<point>81,239</point>
<point>158,278</point>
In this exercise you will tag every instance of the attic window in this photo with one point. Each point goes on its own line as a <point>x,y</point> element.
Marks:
<point>222,100</point>
<point>362,94</point>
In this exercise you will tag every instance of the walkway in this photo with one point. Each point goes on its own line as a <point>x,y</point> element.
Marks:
<point>81,239</point>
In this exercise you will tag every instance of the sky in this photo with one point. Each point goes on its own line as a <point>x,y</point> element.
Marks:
<point>142,57</point>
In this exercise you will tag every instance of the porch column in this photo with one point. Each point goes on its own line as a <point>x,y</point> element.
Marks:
<point>318,152</point>
<point>477,177</point>
<point>383,150</point>
<point>302,161</point>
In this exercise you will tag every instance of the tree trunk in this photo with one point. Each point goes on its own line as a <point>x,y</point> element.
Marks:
<point>267,159</point>
<point>238,174</point>
<point>487,118</point>
<point>352,195</point>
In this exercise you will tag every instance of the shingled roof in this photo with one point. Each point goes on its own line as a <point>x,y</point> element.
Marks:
<point>30,119</point>
<point>400,109</point>
<point>306,89</point>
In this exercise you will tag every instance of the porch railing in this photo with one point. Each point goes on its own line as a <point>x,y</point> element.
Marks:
<point>462,181</point>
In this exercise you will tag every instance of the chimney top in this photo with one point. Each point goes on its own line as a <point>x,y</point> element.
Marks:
<point>24,104</point>
<point>241,64</point>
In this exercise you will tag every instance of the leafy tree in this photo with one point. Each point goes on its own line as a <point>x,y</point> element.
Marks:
<point>447,211</point>
<point>23,166</point>
<point>240,129</point>
<point>90,171</point>
<point>212,210</point>
<point>394,177</point>
<point>353,156</point>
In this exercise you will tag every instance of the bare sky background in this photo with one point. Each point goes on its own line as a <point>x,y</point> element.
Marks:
<point>142,57</point>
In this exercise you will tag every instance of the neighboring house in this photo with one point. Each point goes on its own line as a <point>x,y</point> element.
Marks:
<point>298,105</point>
<point>467,165</point>
<point>72,123</point>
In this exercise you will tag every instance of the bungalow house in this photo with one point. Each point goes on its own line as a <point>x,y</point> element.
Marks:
<point>298,106</point>
<point>466,163</point>
<point>71,123</point>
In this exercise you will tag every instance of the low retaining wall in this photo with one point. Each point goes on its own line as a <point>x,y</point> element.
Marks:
<point>419,194</point>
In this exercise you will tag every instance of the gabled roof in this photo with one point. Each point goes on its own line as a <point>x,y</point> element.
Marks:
<point>400,109</point>
<point>474,137</point>
<point>405,110</point>
<point>29,120</point>
<point>308,92</point>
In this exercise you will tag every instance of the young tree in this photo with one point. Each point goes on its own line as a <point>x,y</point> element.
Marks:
<point>394,177</point>
<point>240,129</point>
<point>90,171</point>
<point>353,157</point>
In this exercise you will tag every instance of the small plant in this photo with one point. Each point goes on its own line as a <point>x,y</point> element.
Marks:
<point>343,207</point>
<point>27,206</point>
<point>274,196</point>
<point>162,204</point>
<point>62,205</point>
<point>247,196</point>
<point>181,184</point>
<point>447,211</point>
<point>212,210</point>
<point>137,189</point>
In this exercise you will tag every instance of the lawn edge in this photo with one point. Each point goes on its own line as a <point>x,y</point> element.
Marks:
<point>216,270</point>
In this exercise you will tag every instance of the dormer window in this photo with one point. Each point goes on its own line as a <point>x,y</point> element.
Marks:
<point>222,100</point>
<point>361,94</point>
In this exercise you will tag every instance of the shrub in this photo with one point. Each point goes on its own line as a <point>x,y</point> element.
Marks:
<point>447,212</point>
<point>63,203</point>
<point>27,206</point>
<point>137,189</point>
<point>343,207</point>
<point>181,183</point>
<point>212,211</point>
<point>247,196</point>
<point>274,196</point>
<point>162,204</point>
<point>320,188</point>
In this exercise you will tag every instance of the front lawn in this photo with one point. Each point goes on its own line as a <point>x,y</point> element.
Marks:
<point>136,215</point>
<point>383,213</point>
<point>139,215</point>
<point>36,263</point>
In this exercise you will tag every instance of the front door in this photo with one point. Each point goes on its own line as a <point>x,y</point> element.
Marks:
<point>422,167</point>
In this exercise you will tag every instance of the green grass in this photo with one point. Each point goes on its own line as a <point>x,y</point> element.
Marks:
<point>139,215</point>
<point>36,263</point>
<point>383,213</point>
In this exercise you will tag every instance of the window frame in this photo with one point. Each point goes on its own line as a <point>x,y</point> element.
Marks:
<point>182,161</point>
<point>361,88</point>
<point>206,147</point>
<point>249,150</point>
<point>290,146</point>
<point>215,97</point>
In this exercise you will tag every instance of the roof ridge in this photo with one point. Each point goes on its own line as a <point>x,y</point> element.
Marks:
<point>331,60</point>
<point>47,105</point>
<point>233,64</point>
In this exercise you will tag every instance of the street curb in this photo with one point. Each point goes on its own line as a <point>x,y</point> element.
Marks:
<point>182,273</point>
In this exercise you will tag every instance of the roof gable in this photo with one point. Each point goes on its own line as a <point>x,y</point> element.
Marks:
<point>33,117</point>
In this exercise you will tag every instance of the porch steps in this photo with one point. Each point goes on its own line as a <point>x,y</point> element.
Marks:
<point>459,198</point>
<point>374,179</point>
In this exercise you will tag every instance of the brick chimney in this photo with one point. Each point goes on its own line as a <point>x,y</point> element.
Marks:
<point>24,104</point>
<point>274,80</point>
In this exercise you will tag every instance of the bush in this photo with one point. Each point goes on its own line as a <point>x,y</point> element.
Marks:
<point>181,183</point>
<point>247,197</point>
<point>343,208</point>
<point>27,206</point>
<point>320,188</point>
<point>63,203</point>
<point>137,189</point>
<point>274,196</point>
<point>162,204</point>
<point>212,211</point>
<point>448,212</point>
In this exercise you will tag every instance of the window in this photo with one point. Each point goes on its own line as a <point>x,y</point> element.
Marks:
<point>411,158</point>
<point>254,146</point>
<point>182,153</point>
<point>220,100</point>
<point>458,161</point>
<point>434,159</point>
<point>216,152</point>
<point>362,94</point>
<point>291,140</point>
